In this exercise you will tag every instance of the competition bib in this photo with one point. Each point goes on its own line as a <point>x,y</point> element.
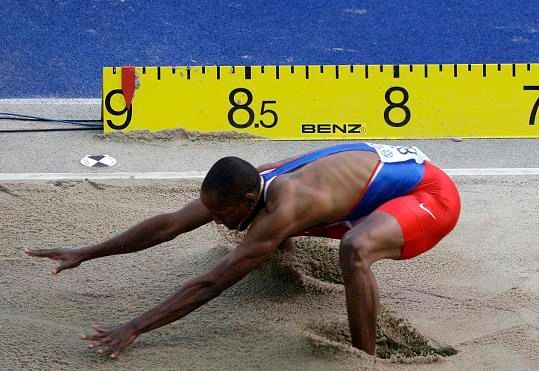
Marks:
<point>389,153</point>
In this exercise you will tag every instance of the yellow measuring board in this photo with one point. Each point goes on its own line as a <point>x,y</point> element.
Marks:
<point>328,101</point>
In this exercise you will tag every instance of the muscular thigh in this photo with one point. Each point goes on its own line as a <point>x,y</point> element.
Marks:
<point>379,233</point>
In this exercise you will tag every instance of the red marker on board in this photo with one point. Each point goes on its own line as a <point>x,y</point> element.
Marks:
<point>128,84</point>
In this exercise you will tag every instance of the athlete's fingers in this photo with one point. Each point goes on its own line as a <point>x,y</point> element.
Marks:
<point>103,346</point>
<point>98,347</point>
<point>93,337</point>
<point>56,270</point>
<point>40,253</point>
<point>116,351</point>
<point>98,328</point>
<point>100,334</point>
<point>102,350</point>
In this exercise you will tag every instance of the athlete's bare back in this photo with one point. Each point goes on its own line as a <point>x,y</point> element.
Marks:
<point>324,190</point>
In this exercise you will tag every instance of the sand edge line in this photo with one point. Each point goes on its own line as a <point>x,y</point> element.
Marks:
<point>189,175</point>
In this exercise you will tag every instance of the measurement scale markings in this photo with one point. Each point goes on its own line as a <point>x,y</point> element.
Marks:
<point>400,99</point>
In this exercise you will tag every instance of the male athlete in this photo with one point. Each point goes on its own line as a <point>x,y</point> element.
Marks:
<point>382,202</point>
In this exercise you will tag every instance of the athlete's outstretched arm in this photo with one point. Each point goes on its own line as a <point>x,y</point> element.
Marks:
<point>151,232</point>
<point>261,241</point>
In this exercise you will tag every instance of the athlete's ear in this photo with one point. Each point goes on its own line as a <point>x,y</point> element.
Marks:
<point>251,200</point>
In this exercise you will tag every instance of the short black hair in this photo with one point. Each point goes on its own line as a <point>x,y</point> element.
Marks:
<point>231,178</point>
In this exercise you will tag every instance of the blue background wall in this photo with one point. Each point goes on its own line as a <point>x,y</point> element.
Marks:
<point>57,48</point>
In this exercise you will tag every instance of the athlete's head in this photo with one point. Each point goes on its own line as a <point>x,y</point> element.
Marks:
<point>230,191</point>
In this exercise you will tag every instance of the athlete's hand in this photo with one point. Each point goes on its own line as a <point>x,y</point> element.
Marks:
<point>111,341</point>
<point>65,258</point>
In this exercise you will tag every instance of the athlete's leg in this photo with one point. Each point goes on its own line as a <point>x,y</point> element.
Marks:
<point>377,236</point>
<point>402,228</point>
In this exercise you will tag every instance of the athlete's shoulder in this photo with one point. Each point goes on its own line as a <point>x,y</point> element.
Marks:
<point>282,188</point>
<point>280,211</point>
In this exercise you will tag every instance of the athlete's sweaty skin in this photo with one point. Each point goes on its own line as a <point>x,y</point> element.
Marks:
<point>322,191</point>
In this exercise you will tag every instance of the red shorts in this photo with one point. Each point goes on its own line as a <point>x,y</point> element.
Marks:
<point>426,214</point>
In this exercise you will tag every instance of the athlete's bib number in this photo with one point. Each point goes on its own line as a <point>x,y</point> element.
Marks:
<point>389,153</point>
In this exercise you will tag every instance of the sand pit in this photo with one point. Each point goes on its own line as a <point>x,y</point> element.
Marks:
<point>469,295</point>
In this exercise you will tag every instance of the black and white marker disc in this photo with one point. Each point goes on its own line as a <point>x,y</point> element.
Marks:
<point>98,161</point>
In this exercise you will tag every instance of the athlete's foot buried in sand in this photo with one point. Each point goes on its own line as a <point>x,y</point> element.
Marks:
<point>383,202</point>
<point>396,339</point>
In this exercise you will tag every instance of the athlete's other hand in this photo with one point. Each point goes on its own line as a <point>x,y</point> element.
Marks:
<point>65,258</point>
<point>111,341</point>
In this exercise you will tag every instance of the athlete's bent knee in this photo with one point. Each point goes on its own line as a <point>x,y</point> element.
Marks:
<point>354,251</point>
